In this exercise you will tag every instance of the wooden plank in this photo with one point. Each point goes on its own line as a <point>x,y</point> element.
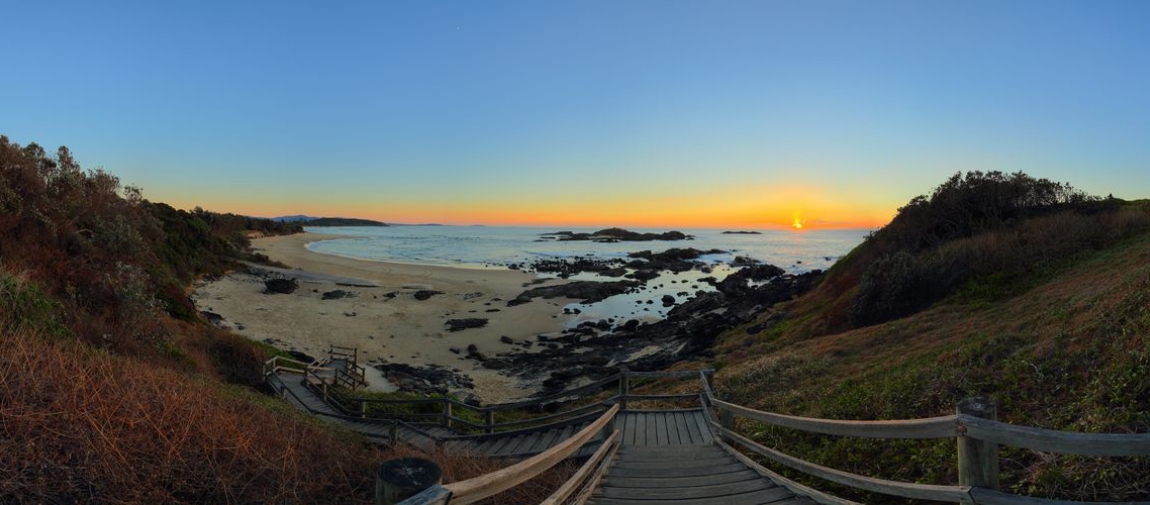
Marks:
<point>650,431</point>
<point>681,481</point>
<point>935,427</point>
<point>616,471</point>
<point>904,489</point>
<point>673,420</point>
<point>546,440</point>
<point>498,445</point>
<point>1062,442</point>
<point>473,490</point>
<point>594,464</point>
<point>675,463</point>
<point>704,427</point>
<point>693,429</point>
<point>661,428</point>
<point>689,454</point>
<point>628,428</point>
<point>753,498</point>
<point>689,493</point>
<point>795,487</point>
<point>512,446</point>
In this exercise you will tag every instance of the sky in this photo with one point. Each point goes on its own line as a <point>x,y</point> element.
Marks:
<point>642,113</point>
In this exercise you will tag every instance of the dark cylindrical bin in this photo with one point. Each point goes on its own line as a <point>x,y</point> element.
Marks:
<point>398,479</point>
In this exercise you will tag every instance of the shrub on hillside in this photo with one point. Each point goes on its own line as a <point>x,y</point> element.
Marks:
<point>114,261</point>
<point>934,245</point>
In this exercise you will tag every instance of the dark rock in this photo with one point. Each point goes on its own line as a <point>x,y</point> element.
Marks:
<point>496,363</point>
<point>424,380</point>
<point>338,294</point>
<point>281,286</point>
<point>668,301</point>
<point>472,348</point>
<point>456,350</point>
<point>506,340</point>
<point>465,323</point>
<point>213,318</point>
<point>589,291</point>
<point>424,294</point>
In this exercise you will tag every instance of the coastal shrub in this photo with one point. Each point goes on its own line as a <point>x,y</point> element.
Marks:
<point>25,306</point>
<point>115,262</point>
<point>986,234</point>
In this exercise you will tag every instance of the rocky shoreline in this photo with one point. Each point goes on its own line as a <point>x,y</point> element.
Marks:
<point>596,349</point>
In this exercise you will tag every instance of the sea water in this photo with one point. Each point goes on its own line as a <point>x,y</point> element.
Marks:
<point>495,247</point>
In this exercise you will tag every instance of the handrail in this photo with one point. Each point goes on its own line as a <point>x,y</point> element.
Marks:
<point>483,436</point>
<point>596,464</point>
<point>935,427</point>
<point>478,488</point>
<point>1063,442</point>
<point>889,487</point>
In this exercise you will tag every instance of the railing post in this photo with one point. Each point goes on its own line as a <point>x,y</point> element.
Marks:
<point>363,409</point>
<point>727,420</point>
<point>393,432</point>
<point>608,428</point>
<point>624,386</point>
<point>446,413</point>
<point>489,421</point>
<point>977,459</point>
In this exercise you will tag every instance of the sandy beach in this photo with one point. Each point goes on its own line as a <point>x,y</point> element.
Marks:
<point>385,321</point>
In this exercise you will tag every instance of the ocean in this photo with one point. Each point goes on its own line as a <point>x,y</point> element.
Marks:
<point>496,247</point>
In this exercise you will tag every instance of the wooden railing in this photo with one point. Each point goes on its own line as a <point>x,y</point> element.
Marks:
<point>978,437</point>
<point>485,486</point>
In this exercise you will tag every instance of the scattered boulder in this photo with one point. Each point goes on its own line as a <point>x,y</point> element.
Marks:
<point>589,291</point>
<point>280,285</point>
<point>424,294</point>
<point>465,323</point>
<point>339,294</point>
<point>213,318</point>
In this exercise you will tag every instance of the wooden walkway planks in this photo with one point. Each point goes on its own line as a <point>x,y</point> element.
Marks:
<point>685,474</point>
<point>655,428</point>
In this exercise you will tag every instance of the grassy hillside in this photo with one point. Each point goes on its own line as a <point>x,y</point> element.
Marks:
<point>1045,308</point>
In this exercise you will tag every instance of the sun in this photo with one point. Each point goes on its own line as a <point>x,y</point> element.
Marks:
<point>797,222</point>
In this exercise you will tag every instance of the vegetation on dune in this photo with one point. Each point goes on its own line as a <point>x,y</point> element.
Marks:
<point>1042,303</point>
<point>113,390</point>
<point>113,260</point>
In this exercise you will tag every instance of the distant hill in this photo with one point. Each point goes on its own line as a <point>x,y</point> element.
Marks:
<point>328,221</point>
<point>292,219</point>
<point>343,221</point>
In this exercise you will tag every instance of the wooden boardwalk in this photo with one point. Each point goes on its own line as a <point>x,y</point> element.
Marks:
<point>694,474</point>
<point>665,456</point>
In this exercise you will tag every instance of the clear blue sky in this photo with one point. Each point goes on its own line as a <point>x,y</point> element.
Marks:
<point>592,112</point>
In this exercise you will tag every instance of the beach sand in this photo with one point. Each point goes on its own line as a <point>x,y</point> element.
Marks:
<point>400,329</point>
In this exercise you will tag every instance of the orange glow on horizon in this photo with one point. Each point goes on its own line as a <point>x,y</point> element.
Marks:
<point>748,208</point>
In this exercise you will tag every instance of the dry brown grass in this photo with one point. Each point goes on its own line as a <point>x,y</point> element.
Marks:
<point>78,425</point>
